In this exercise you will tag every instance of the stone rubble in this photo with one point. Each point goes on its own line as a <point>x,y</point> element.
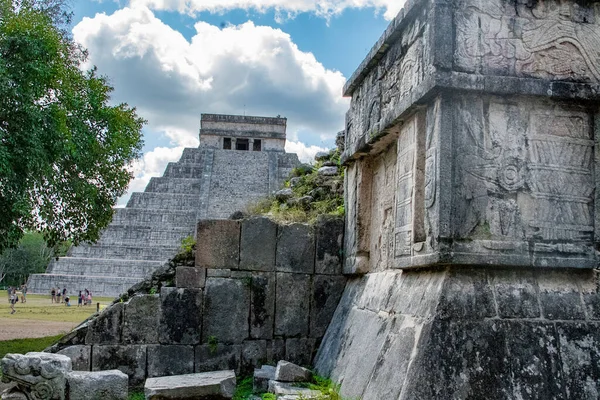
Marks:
<point>214,385</point>
<point>290,372</point>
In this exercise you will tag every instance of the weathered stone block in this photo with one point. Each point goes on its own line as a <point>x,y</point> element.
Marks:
<point>328,246</point>
<point>226,310</point>
<point>141,318</point>
<point>295,249</point>
<point>291,312</point>
<point>560,296</point>
<point>254,354</point>
<point>516,294</point>
<point>101,385</point>
<point>218,244</point>
<point>190,277</point>
<point>181,316</point>
<point>325,296</point>
<point>80,356</point>
<point>290,372</point>
<point>467,294</point>
<point>107,327</point>
<point>167,360</point>
<point>208,385</point>
<point>300,350</point>
<point>262,305</point>
<point>129,359</point>
<point>275,350</point>
<point>215,357</point>
<point>261,378</point>
<point>282,389</point>
<point>258,244</point>
<point>218,273</point>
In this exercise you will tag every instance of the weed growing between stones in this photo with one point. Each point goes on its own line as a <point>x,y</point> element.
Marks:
<point>213,343</point>
<point>244,389</point>
<point>136,396</point>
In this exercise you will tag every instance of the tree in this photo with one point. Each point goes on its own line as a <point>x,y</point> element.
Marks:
<point>64,151</point>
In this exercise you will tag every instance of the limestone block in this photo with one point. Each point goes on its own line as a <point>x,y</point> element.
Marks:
<point>190,277</point>
<point>106,328</point>
<point>258,244</point>
<point>167,360</point>
<point>181,316</point>
<point>290,372</point>
<point>328,246</point>
<point>262,305</point>
<point>292,310</point>
<point>208,385</point>
<point>295,249</point>
<point>218,244</point>
<point>325,296</point>
<point>215,357</point>
<point>468,295</point>
<point>328,171</point>
<point>254,354</point>
<point>129,359</point>
<point>218,273</point>
<point>141,319</point>
<point>284,388</point>
<point>226,310</point>
<point>101,385</point>
<point>80,356</point>
<point>39,375</point>
<point>560,296</point>
<point>300,350</point>
<point>261,378</point>
<point>275,350</point>
<point>516,293</point>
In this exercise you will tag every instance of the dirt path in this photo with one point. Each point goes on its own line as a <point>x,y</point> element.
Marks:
<point>12,328</point>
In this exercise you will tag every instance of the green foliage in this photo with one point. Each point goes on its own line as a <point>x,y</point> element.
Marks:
<point>268,396</point>
<point>153,290</point>
<point>213,342</point>
<point>244,389</point>
<point>137,396</point>
<point>64,151</point>
<point>22,346</point>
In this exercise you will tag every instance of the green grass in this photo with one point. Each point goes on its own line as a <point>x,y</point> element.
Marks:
<point>23,346</point>
<point>137,396</point>
<point>244,389</point>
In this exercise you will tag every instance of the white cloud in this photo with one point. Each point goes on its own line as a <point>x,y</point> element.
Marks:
<point>247,68</point>
<point>306,154</point>
<point>283,8</point>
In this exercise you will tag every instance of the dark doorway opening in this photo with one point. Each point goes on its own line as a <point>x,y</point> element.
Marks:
<point>242,144</point>
<point>226,143</point>
<point>257,145</point>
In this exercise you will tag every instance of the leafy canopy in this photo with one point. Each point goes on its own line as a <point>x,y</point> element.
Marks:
<point>64,151</point>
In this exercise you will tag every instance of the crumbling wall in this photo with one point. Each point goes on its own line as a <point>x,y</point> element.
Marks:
<point>256,293</point>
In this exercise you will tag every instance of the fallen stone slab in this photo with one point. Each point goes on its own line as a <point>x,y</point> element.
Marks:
<point>288,389</point>
<point>290,372</point>
<point>100,385</point>
<point>262,377</point>
<point>216,385</point>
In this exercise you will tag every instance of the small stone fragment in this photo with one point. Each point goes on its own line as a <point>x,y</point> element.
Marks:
<point>262,377</point>
<point>290,372</point>
<point>295,181</point>
<point>207,385</point>
<point>288,389</point>
<point>327,171</point>
<point>284,194</point>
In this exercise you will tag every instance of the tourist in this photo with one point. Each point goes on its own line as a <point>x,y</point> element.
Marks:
<point>9,291</point>
<point>64,292</point>
<point>53,291</point>
<point>13,300</point>
<point>24,293</point>
<point>89,298</point>
<point>80,299</point>
<point>67,300</point>
<point>58,299</point>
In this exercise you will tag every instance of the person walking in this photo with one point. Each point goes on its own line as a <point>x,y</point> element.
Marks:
<point>80,299</point>
<point>9,291</point>
<point>24,295</point>
<point>53,292</point>
<point>58,299</point>
<point>13,300</point>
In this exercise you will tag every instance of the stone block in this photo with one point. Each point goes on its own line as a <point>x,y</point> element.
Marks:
<point>291,312</point>
<point>208,385</point>
<point>101,385</point>
<point>190,277</point>
<point>261,378</point>
<point>167,360</point>
<point>129,359</point>
<point>214,357</point>
<point>560,296</point>
<point>275,350</point>
<point>300,350</point>
<point>80,356</point>
<point>141,318</point>
<point>226,310</point>
<point>181,316</point>
<point>328,245</point>
<point>516,294</point>
<point>106,328</point>
<point>295,249</point>
<point>290,372</point>
<point>262,305</point>
<point>467,295</point>
<point>258,244</point>
<point>246,275</point>
<point>218,244</point>
<point>218,273</point>
<point>288,389</point>
<point>325,296</point>
<point>254,354</point>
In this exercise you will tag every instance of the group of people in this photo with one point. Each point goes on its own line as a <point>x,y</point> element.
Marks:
<point>58,296</point>
<point>13,296</point>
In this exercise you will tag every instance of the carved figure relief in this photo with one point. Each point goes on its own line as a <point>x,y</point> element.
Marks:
<point>549,40</point>
<point>404,189</point>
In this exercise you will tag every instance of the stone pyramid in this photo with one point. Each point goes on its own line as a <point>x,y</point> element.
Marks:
<point>240,159</point>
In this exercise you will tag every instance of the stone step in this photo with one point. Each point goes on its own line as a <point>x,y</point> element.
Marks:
<point>174,185</point>
<point>103,286</point>
<point>192,156</point>
<point>96,266</point>
<point>167,201</point>
<point>123,235</point>
<point>154,217</point>
<point>176,170</point>
<point>124,252</point>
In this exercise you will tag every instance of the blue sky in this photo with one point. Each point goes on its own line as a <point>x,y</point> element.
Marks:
<point>175,59</point>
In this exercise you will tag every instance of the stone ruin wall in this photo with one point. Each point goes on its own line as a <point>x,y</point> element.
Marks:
<point>257,293</point>
<point>471,226</point>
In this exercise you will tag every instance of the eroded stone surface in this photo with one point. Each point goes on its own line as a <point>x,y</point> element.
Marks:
<point>101,385</point>
<point>209,385</point>
<point>290,372</point>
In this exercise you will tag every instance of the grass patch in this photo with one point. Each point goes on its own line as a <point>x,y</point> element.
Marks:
<point>22,346</point>
<point>244,389</point>
<point>136,396</point>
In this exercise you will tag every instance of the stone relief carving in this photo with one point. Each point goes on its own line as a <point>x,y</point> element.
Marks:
<point>551,40</point>
<point>525,172</point>
<point>404,189</point>
<point>39,376</point>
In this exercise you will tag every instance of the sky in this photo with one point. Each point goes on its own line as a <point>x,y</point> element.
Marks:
<point>176,59</point>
